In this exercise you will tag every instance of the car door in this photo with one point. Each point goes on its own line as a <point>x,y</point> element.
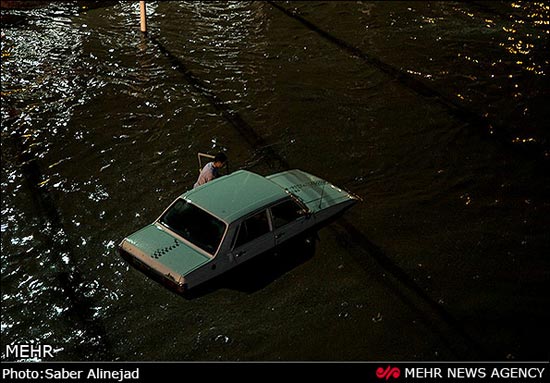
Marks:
<point>288,220</point>
<point>254,237</point>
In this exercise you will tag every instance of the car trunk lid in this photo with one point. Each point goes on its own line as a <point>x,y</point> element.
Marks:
<point>315,192</point>
<point>162,251</point>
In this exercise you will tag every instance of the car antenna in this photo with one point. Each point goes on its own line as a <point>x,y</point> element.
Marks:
<point>322,193</point>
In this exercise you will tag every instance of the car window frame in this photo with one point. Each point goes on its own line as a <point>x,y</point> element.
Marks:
<point>296,201</point>
<point>248,216</point>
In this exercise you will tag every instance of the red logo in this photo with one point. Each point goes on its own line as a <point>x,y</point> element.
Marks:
<point>389,372</point>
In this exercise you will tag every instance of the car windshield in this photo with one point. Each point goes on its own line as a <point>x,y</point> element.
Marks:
<point>195,225</point>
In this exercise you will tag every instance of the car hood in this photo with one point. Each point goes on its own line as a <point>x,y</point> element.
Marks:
<point>162,251</point>
<point>315,192</point>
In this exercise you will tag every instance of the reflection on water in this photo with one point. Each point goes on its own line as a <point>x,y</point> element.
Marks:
<point>500,70</point>
<point>226,42</point>
<point>100,131</point>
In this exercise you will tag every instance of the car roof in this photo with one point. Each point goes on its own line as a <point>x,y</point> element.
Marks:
<point>235,195</point>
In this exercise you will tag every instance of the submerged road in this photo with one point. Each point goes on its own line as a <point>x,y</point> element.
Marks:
<point>445,258</point>
<point>398,282</point>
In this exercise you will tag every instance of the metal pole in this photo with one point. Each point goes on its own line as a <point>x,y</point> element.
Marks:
<point>143,13</point>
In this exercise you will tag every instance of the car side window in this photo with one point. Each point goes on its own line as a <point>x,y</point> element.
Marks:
<point>285,213</point>
<point>253,228</point>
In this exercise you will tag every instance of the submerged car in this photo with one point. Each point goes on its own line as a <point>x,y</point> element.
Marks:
<point>221,224</point>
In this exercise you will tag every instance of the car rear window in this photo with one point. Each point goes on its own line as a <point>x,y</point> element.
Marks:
<point>195,225</point>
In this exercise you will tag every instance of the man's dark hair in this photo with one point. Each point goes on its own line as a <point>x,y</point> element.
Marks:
<point>220,157</point>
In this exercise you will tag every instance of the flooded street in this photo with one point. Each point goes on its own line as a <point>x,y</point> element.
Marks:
<point>435,113</point>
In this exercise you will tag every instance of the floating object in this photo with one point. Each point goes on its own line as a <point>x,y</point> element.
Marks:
<point>230,220</point>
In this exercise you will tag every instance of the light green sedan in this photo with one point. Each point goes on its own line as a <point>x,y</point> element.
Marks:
<point>221,224</point>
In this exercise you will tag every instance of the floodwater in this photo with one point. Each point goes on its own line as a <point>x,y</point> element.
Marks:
<point>436,113</point>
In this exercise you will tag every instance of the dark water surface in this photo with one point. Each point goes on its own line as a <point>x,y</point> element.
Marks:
<point>435,112</point>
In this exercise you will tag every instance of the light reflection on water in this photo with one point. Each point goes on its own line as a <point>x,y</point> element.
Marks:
<point>49,63</point>
<point>497,69</point>
<point>101,132</point>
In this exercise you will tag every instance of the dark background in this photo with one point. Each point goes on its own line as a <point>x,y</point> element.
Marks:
<point>434,112</point>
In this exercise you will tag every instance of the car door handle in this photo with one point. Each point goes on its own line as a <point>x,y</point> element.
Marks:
<point>239,253</point>
<point>279,235</point>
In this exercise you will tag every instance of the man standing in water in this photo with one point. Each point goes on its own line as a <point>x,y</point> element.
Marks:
<point>210,170</point>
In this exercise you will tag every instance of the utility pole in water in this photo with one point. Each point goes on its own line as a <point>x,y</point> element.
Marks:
<point>143,12</point>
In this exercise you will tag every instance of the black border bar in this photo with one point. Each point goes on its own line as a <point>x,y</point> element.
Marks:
<point>364,372</point>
